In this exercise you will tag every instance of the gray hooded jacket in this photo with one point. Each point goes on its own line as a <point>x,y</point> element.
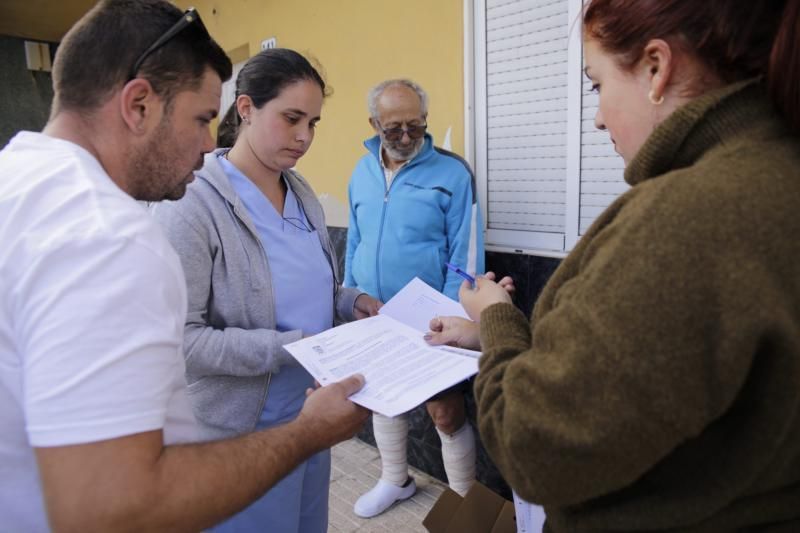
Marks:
<point>231,345</point>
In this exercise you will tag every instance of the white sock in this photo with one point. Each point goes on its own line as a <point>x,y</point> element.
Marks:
<point>391,436</point>
<point>458,456</point>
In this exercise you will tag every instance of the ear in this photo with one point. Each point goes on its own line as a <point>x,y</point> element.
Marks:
<point>374,124</point>
<point>244,106</point>
<point>140,105</point>
<point>658,62</point>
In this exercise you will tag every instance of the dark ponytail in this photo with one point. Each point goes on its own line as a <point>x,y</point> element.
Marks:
<point>228,128</point>
<point>783,75</point>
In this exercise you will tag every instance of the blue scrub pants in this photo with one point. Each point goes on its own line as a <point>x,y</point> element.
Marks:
<point>299,502</point>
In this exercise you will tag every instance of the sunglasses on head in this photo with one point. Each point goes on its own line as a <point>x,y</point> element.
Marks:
<point>189,17</point>
<point>414,131</point>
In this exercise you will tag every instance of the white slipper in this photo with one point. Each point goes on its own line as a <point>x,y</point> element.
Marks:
<point>382,496</point>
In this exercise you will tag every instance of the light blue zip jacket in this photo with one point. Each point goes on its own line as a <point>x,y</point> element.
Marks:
<point>428,216</point>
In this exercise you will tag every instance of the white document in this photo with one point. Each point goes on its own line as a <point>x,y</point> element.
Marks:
<point>417,303</point>
<point>400,368</point>
<point>530,517</point>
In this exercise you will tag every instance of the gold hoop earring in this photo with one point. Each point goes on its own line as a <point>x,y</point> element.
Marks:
<point>653,100</point>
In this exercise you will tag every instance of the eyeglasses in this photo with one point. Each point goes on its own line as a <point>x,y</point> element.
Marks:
<point>189,17</point>
<point>414,132</point>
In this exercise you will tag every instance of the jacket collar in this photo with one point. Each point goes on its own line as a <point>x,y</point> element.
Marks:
<point>214,174</point>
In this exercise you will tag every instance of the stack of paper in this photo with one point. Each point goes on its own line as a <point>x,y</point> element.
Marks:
<point>401,369</point>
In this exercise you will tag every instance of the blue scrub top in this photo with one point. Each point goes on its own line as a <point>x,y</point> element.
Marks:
<point>302,277</point>
<point>302,284</point>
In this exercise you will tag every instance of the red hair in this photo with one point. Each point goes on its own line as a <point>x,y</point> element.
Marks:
<point>734,39</point>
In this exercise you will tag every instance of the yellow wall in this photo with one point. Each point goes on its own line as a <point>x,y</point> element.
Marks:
<point>358,43</point>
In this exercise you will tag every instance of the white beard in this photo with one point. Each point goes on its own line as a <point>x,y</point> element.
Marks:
<point>402,156</point>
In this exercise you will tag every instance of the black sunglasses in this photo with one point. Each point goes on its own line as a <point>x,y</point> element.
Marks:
<point>414,132</point>
<point>189,17</point>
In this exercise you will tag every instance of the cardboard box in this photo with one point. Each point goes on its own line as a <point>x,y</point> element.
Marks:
<point>480,511</point>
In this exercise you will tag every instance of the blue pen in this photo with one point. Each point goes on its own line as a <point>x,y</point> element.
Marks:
<point>461,273</point>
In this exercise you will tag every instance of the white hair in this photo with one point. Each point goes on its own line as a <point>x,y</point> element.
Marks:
<point>376,92</point>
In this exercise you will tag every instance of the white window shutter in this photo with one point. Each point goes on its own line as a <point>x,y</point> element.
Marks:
<point>544,172</point>
<point>526,102</point>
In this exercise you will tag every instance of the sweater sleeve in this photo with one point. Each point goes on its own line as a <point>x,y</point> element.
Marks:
<point>210,350</point>
<point>345,303</point>
<point>634,355</point>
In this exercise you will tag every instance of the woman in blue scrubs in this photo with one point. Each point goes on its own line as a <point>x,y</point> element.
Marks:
<point>261,272</point>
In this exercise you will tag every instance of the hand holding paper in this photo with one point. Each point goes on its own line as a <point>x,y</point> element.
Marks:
<point>330,409</point>
<point>366,306</point>
<point>454,331</point>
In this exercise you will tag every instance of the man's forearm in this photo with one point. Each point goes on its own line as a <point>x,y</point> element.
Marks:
<point>187,488</point>
<point>241,469</point>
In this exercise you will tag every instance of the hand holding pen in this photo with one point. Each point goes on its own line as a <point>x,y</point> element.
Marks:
<point>477,294</point>
<point>461,273</point>
<point>507,283</point>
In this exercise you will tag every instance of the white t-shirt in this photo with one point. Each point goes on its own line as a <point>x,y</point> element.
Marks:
<point>92,310</point>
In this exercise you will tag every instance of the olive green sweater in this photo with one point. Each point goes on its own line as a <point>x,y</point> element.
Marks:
<point>657,385</point>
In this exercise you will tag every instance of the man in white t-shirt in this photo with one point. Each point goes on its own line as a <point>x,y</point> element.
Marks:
<point>94,414</point>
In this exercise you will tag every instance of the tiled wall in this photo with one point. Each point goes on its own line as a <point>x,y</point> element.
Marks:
<point>25,95</point>
<point>530,273</point>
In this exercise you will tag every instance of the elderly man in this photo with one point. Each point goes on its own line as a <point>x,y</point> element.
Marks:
<point>93,402</point>
<point>412,209</point>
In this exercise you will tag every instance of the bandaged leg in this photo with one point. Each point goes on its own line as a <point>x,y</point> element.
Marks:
<point>391,436</point>
<point>458,440</point>
<point>458,456</point>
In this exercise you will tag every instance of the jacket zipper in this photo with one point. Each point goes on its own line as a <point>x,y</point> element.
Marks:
<point>254,235</point>
<point>380,230</point>
<point>383,217</point>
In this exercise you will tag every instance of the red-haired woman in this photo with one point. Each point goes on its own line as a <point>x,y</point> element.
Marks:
<point>657,385</point>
